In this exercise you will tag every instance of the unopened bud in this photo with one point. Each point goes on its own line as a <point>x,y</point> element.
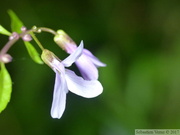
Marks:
<point>36,29</point>
<point>49,57</point>
<point>23,29</point>
<point>64,41</point>
<point>6,58</point>
<point>14,35</point>
<point>27,37</point>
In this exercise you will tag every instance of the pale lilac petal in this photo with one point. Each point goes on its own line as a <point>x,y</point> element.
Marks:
<point>93,58</point>
<point>81,87</point>
<point>59,96</point>
<point>70,47</point>
<point>73,56</point>
<point>87,69</point>
<point>57,65</point>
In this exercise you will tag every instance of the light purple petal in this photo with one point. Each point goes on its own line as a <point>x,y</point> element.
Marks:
<point>73,56</point>
<point>81,87</point>
<point>70,47</point>
<point>58,66</point>
<point>94,59</point>
<point>87,69</point>
<point>59,96</point>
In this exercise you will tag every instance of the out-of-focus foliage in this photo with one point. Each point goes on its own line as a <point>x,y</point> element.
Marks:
<point>33,53</point>
<point>4,31</point>
<point>138,40</point>
<point>5,87</point>
<point>16,23</point>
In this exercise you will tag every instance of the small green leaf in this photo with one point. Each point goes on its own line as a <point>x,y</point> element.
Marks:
<point>4,31</point>
<point>5,87</point>
<point>33,53</point>
<point>16,23</point>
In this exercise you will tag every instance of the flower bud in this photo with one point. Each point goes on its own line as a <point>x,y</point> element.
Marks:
<point>34,28</point>
<point>49,57</point>
<point>27,37</point>
<point>23,29</point>
<point>14,35</point>
<point>64,41</point>
<point>6,58</point>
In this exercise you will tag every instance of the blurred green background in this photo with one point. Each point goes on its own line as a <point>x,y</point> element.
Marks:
<point>139,40</point>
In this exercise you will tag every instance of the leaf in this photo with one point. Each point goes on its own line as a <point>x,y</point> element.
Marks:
<point>16,23</point>
<point>4,31</point>
<point>5,87</point>
<point>33,53</point>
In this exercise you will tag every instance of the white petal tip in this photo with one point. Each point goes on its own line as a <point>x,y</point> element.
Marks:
<point>96,90</point>
<point>56,115</point>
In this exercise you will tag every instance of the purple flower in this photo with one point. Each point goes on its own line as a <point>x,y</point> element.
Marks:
<point>87,62</point>
<point>66,80</point>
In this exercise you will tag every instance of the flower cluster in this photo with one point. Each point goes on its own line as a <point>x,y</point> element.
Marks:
<point>66,80</point>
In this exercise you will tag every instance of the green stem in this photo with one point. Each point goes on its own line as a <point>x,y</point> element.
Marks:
<point>40,29</point>
<point>48,30</point>
<point>36,40</point>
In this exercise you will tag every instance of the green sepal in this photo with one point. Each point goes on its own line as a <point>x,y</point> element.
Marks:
<point>16,23</point>
<point>5,87</point>
<point>4,31</point>
<point>33,53</point>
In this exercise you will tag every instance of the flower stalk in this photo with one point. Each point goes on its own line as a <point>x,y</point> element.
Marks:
<point>37,41</point>
<point>44,29</point>
<point>7,46</point>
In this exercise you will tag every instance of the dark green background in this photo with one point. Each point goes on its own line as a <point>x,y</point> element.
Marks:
<point>139,40</point>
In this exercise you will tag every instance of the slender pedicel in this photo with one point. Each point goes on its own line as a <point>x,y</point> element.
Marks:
<point>40,29</point>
